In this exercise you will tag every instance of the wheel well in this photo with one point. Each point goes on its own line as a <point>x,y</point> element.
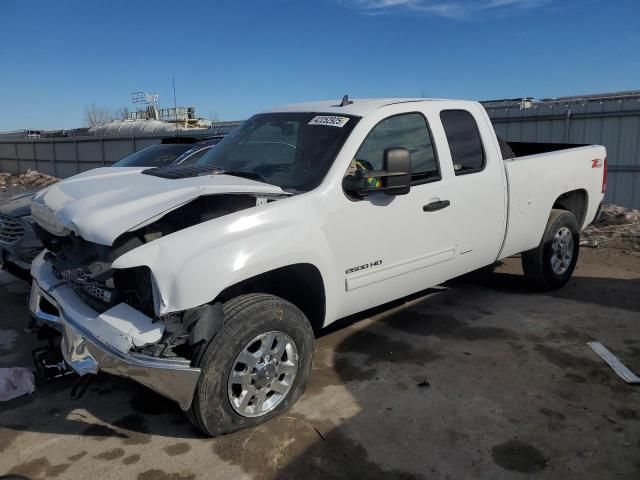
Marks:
<point>575,202</point>
<point>300,284</point>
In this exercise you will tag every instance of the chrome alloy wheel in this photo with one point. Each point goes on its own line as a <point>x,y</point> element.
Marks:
<point>562,251</point>
<point>262,374</point>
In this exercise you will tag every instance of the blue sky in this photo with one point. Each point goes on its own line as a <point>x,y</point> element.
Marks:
<point>238,56</point>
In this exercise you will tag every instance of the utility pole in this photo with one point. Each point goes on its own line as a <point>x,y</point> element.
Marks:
<point>175,104</point>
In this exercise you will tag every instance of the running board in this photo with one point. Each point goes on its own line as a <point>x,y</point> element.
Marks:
<point>621,370</point>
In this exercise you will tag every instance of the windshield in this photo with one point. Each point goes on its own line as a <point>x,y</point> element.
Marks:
<point>291,150</point>
<point>153,156</point>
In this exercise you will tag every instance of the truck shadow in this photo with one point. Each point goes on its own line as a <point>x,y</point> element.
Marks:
<point>111,407</point>
<point>606,292</point>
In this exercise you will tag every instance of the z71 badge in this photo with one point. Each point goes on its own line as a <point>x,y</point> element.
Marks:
<point>376,263</point>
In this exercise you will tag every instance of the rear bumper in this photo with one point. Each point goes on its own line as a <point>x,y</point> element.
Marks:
<point>58,306</point>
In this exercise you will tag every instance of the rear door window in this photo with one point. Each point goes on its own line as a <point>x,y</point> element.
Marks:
<point>464,140</point>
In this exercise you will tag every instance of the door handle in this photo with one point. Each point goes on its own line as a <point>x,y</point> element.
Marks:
<point>437,205</point>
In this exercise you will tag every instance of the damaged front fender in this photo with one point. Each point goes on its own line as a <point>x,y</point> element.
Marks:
<point>192,266</point>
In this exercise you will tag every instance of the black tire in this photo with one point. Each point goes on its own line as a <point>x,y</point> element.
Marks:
<point>245,318</point>
<point>537,263</point>
<point>505,149</point>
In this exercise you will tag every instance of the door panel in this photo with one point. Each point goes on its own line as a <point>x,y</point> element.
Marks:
<point>477,187</point>
<point>388,246</point>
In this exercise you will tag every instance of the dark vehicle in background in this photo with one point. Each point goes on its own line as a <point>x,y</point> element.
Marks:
<point>18,243</point>
<point>167,154</point>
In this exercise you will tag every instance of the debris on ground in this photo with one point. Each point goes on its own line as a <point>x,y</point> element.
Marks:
<point>424,384</point>
<point>49,363</point>
<point>15,382</point>
<point>30,178</point>
<point>616,365</point>
<point>618,227</point>
<point>320,433</point>
<point>589,243</point>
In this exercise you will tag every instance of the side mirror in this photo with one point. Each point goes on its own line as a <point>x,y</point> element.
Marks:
<point>397,163</point>
<point>395,179</point>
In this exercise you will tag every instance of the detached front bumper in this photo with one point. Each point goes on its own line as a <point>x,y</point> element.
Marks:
<point>84,348</point>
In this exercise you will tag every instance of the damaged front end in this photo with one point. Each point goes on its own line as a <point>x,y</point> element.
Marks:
<point>109,341</point>
<point>109,318</point>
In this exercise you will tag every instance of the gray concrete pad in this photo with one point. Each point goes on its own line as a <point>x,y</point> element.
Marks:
<point>483,379</point>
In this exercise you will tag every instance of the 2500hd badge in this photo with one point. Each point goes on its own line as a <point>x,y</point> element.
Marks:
<point>377,263</point>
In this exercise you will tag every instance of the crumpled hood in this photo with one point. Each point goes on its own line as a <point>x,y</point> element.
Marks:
<point>18,205</point>
<point>102,204</point>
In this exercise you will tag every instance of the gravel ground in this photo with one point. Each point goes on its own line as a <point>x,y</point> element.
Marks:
<point>29,179</point>
<point>618,227</point>
<point>481,379</point>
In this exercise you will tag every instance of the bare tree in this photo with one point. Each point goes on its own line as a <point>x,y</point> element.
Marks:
<point>96,115</point>
<point>121,113</point>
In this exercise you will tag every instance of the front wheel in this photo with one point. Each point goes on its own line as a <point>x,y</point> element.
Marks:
<point>255,368</point>
<point>551,264</point>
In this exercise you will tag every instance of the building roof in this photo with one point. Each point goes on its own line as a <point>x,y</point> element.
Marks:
<point>134,127</point>
<point>628,94</point>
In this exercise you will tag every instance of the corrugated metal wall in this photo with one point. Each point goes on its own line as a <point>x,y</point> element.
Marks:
<point>614,123</point>
<point>66,156</point>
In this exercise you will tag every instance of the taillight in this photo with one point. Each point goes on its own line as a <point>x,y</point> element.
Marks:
<point>605,171</point>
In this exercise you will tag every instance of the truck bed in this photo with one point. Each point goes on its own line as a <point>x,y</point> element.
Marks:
<point>537,180</point>
<point>523,149</point>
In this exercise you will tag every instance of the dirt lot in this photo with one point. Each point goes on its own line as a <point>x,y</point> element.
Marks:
<point>481,379</point>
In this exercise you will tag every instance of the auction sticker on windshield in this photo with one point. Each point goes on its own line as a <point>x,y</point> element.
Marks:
<point>329,121</point>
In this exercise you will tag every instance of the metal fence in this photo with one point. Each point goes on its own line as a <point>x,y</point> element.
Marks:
<point>612,122</point>
<point>66,156</point>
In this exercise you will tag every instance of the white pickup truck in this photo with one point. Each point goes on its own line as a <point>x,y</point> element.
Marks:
<point>206,282</point>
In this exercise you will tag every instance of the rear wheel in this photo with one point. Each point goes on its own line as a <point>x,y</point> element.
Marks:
<point>255,368</point>
<point>551,264</point>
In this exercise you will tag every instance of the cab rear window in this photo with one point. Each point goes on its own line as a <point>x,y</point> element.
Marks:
<point>464,140</point>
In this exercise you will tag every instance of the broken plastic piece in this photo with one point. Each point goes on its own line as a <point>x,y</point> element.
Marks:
<point>621,370</point>
<point>207,321</point>
<point>49,363</point>
<point>589,243</point>
<point>123,326</point>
